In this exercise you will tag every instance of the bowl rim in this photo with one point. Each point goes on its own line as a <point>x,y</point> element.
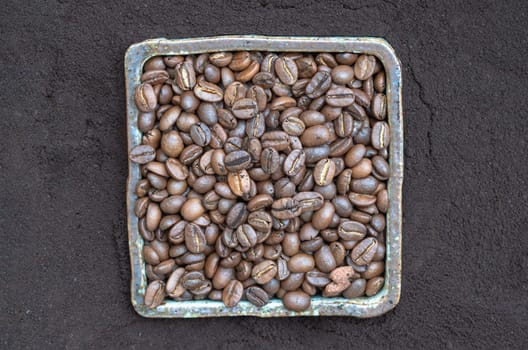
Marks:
<point>363,307</point>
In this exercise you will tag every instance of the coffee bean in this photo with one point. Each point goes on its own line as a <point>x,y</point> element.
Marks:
<point>236,215</point>
<point>145,97</point>
<point>293,126</point>
<point>374,285</point>
<point>239,182</point>
<point>301,263</point>
<point>286,70</point>
<point>294,162</point>
<point>364,251</point>
<point>324,172</point>
<point>142,154</point>
<point>319,84</point>
<point>339,97</point>
<point>200,134</point>
<point>237,160</point>
<point>246,236</point>
<point>185,76</point>
<point>208,92</point>
<point>309,201</point>
<point>296,301</point>
<point>380,135</point>
<point>264,271</point>
<point>315,135</point>
<point>245,108</point>
<point>154,294</point>
<point>285,208</point>
<point>324,259</point>
<point>232,293</point>
<point>364,67</point>
<point>257,296</point>
<point>269,160</point>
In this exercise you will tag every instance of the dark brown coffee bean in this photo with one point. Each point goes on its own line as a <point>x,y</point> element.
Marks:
<point>142,154</point>
<point>319,84</point>
<point>381,168</point>
<point>145,97</point>
<point>324,259</point>
<point>285,208</point>
<point>264,271</point>
<point>294,162</point>
<point>237,215</point>
<point>382,201</point>
<point>364,251</point>
<point>239,182</point>
<point>232,293</point>
<point>185,76</point>
<point>257,296</point>
<point>255,127</point>
<point>374,285</point>
<point>339,97</point>
<point>245,108</point>
<point>364,67</point>
<point>293,126</point>
<point>208,92</point>
<point>269,160</point>
<point>324,172</point>
<point>154,294</point>
<point>301,263</point>
<point>286,70</point>
<point>344,125</point>
<point>278,140</point>
<point>194,238</point>
<point>309,201</point>
<point>296,301</point>
<point>200,134</point>
<point>146,121</point>
<point>322,217</point>
<point>172,143</point>
<point>246,236</point>
<point>380,135</point>
<point>261,221</point>
<point>315,135</point>
<point>317,278</point>
<point>221,59</point>
<point>351,230</point>
<point>260,201</point>
<point>226,118</point>
<point>367,185</point>
<point>342,74</point>
<point>237,160</point>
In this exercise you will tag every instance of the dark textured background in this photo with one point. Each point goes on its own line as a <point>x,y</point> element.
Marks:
<point>63,166</point>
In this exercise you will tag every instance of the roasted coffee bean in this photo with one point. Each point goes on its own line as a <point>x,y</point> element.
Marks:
<point>286,208</point>
<point>324,259</point>
<point>257,296</point>
<point>309,201</point>
<point>239,182</point>
<point>364,67</point>
<point>364,251</point>
<point>324,172</point>
<point>185,76</point>
<point>232,293</point>
<point>319,84</point>
<point>145,97</point>
<point>294,162</point>
<point>246,236</point>
<point>154,294</point>
<point>237,160</point>
<point>296,301</point>
<point>380,135</point>
<point>339,97</point>
<point>322,217</point>
<point>374,285</point>
<point>200,134</point>
<point>245,108</point>
<point>192,209</point>
<point>317,278</point>
<point>208,92</point>
<point>264,271</point>
<point>237,215</point>
<point>286,70</point>
<point>142,154</point>
<point>315,135</point>
<point>301,263</point>
<point>194,238</point>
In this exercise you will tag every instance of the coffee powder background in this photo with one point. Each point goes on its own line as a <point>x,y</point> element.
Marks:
<point>63,166</point>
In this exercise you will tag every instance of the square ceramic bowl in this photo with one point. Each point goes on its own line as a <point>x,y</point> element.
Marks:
<point>389,295</point>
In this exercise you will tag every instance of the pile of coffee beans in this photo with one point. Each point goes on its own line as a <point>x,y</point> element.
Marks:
<point>263,175</point>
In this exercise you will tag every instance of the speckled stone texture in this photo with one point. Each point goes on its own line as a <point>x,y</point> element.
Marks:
<point>63,164</point>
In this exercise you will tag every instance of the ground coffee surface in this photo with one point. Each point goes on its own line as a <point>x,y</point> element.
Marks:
<point>63,164</point>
